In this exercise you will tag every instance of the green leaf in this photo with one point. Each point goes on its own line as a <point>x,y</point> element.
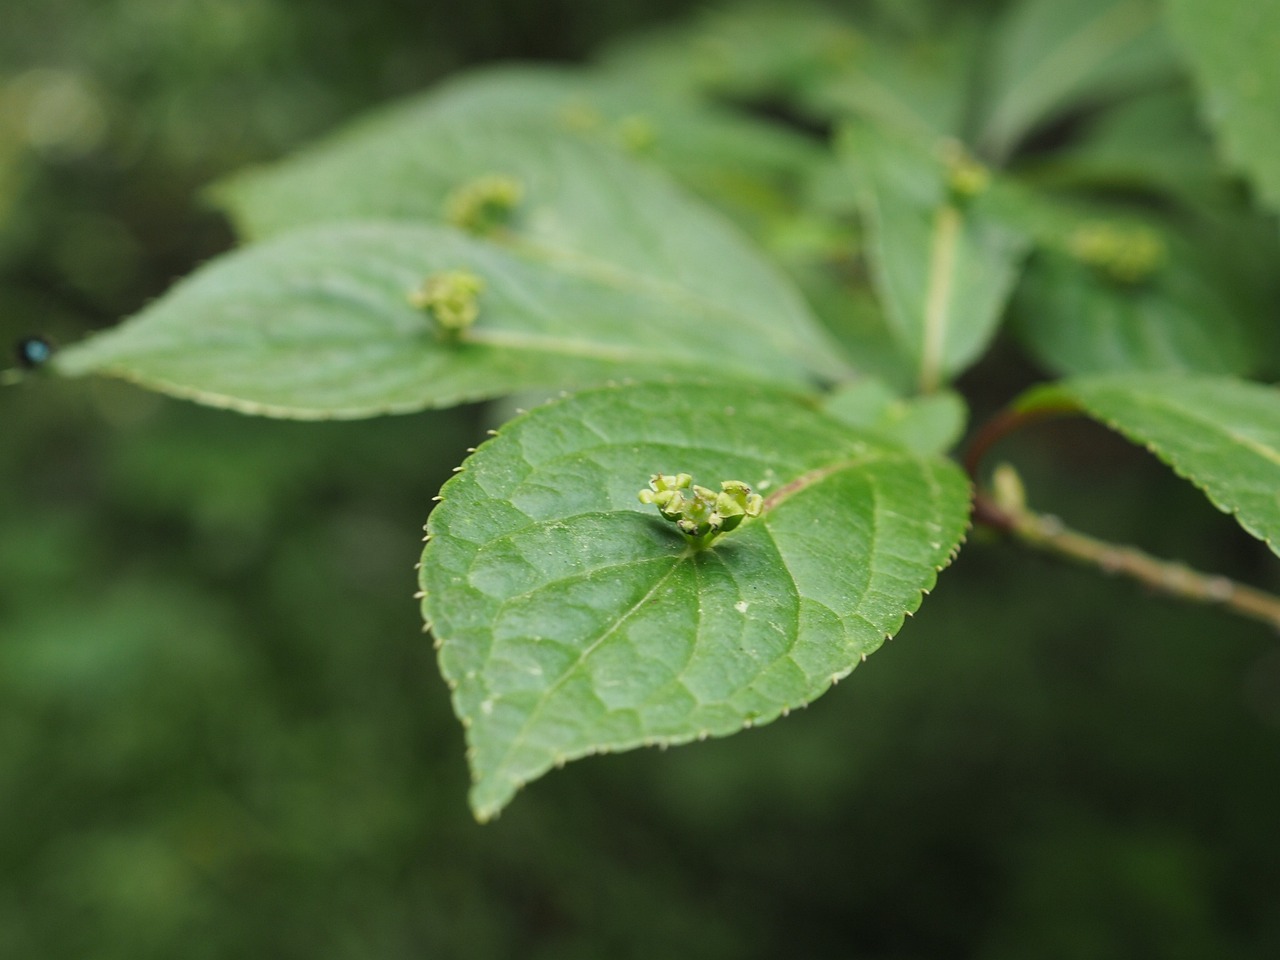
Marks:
<point>1151,142</point>
<point>1050,56</point>
<point>572,619</point>
<point>1221,434</point>
<point>1076,320</point>
<point>921,84</point>
<point>755,50</point>
<point>1111,290</point>
<point>727,157</point>
<point>1234,53</point>
<point>926,425</point>
<point>943,270</point>
<point>319,323</point>
<point>581,197</point>
<point>583,204</point>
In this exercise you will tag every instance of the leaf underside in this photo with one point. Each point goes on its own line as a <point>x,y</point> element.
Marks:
<point>572,620</point>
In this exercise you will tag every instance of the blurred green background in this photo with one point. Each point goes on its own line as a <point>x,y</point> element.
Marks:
<point>221,729</point>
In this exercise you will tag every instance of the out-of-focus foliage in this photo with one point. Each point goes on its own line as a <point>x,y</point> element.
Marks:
<point>220,727</point>
<point>1234,53</point>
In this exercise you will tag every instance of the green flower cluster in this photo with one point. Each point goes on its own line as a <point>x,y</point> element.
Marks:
<point>700,513</point>
<point>452,300</point>
<point>1126,253</point>
<point>484,205</point>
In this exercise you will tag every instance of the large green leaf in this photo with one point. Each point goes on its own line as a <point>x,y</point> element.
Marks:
<point>1221,434</point>
<point>1050,55</point>
<point>745,50</point>
<point>318,323</point>
<point>583,204</point>
<point>943,270</point>
<point>1150,142</point>
<point>1113,290</point>
<point>1077,320</point>
<point>581,197</point>
<point>572,619</point>
<point>1234,51</point>
<point>921,84</point>
<point>727,157</point>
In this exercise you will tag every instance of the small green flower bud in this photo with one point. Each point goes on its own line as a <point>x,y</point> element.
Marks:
<point>966,177</point>
<point>636,133</point>
<point>665,492</point>
<point>1128,254</point>
<point>484,205</point>
<point>735,502</point>
<point>698,512</point>
<point>452,300</point>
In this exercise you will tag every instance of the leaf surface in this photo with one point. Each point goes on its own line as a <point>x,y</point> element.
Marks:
<point>729,158</point>
<point>571,619</point>
<point>921,84</point>
<point>583,204</point>
<point>1051,55</point>
<point>1077,321</point>
<point>318,323</point>
<point>1151,141</point>
<point>943,270</point>
<point>929,424</point>
<point>1234,52</point>
<point>1221,434</point>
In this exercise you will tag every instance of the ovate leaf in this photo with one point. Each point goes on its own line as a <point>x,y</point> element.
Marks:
<point>1111,291</point>
<point>580,203</point>
<point>745,51</point>
<point>572,619</point>
<point>1151,142</point>
<point>1234,52</point>
<point>1221,434</point>
<point>723,155</point>
<point>942,269</point>
<point>319,323</point>
<point>920,83</point>
<point>1050,56</point>
<point>1077,320</point>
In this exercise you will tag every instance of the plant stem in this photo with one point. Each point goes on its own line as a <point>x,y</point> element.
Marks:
<point>1005,509</point>
<point>1000,426</point>
<point>1048,533</point>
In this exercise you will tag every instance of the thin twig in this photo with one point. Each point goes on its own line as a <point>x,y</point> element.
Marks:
<point>1048,533</point>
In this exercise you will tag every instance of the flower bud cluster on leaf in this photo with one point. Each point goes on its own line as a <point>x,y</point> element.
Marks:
<point>1128,254</point>
<point>451,298</point>
<point>483,205</point>
<point>636,133</point>
<point>700,513</point>
<point>966,177</point>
